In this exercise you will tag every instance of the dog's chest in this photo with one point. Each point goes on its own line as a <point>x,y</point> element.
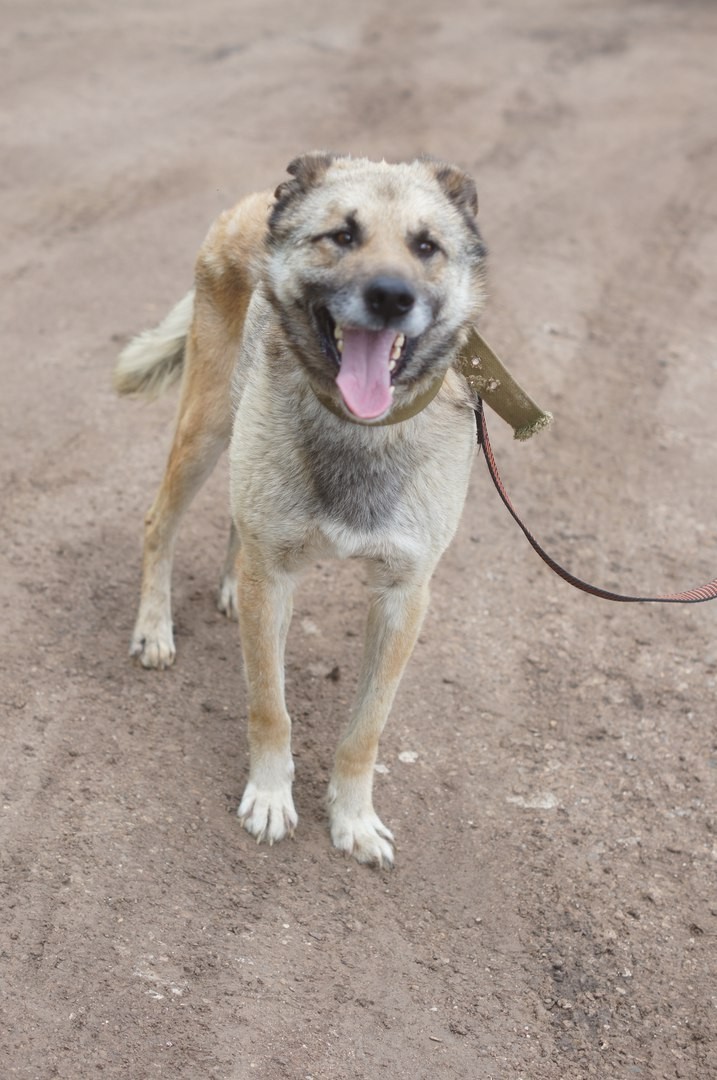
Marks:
<point>357,484</point>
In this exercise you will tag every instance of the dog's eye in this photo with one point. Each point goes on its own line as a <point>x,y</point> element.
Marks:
<point>343,238</point>
<point>425,247</point>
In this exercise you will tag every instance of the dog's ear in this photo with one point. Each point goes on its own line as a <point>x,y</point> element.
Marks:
<point>458,186</point>
<point>306,171</point>
<point>309,168</point>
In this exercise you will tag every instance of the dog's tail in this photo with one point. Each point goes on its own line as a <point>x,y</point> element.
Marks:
<point>153,361</point>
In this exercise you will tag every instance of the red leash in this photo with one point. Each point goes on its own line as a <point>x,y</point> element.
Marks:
<point>692,596</point>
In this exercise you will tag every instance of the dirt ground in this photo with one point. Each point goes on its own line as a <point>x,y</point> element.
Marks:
<point>549,769</point>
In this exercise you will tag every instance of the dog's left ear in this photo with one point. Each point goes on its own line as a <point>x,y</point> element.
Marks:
<point>458,186</point>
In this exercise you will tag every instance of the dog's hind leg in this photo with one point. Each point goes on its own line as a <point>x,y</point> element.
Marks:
<point>198,442</point>
<point>227,602</point>
<point>202,433</point>
<point>225,278</point>
<point>265,605</point>
<point>395,614</point>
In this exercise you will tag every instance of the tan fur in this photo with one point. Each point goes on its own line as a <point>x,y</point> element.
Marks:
<point>306,483</point>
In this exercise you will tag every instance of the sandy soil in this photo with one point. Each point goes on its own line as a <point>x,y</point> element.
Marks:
<point>550,765</point>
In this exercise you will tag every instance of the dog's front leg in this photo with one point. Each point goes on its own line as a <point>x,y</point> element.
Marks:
<point>395,614</point>
<point>265,604</point>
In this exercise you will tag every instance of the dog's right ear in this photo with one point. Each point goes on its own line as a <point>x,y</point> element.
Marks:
<point>457,185</point>
<point>306,171</point>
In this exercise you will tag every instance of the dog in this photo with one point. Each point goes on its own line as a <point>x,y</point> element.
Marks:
<point>321,341</point>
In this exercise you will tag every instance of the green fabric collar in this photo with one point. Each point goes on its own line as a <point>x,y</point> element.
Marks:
<point>488,377</point>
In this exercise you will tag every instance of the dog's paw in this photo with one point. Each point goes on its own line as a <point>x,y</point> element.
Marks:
<point>362,835</point>
<point>153,645</point>
<point>268,813</point>
<point>227,599</point>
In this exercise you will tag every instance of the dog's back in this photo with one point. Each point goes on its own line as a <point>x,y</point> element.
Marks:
<point>228,267</point>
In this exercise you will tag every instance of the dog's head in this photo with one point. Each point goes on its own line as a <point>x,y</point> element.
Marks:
<point>375,270</point>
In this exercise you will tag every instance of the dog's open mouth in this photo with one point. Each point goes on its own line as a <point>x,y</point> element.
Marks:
<point>368,362</point>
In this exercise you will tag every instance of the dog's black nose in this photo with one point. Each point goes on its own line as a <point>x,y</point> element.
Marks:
<point>389,297</point>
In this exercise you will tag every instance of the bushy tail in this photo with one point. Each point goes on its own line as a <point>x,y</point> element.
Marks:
<point>153,361</point>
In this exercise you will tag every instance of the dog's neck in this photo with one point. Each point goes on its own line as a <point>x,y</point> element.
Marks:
<point>395,416</point>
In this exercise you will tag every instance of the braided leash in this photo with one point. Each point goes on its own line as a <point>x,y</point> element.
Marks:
<point>692,596</point>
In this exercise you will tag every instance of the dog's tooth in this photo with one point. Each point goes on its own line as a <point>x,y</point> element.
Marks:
<point>392,363</point>
<point>400,341</point>
<point>340,345</point>
<point>393,390</point>
<point>339,332</point>
<point>396,352</point>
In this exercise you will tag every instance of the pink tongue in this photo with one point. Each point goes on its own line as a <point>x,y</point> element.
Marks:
<point>364,379</point>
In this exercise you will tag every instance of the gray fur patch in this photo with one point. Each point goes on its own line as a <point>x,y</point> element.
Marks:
<point>352,483</point>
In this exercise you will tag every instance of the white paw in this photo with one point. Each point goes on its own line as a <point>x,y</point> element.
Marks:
<point>227,601</point>
<point>362,835</point>
<point>153,644</point>
<point>268,813</point>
